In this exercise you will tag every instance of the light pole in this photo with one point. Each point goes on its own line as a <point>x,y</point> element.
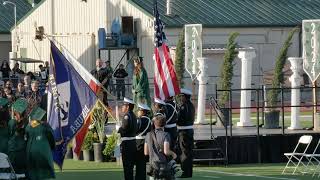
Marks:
<point>15,17</point>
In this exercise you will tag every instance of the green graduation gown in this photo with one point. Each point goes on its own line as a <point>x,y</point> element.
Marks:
<point>141,91</point>
<point>4,136</point>
<point>17,146</point>
<point>39,151</point>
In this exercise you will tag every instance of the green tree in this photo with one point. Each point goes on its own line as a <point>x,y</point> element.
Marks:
<point>278,77</point>
<point>227,68</point>
<point>179,61</point>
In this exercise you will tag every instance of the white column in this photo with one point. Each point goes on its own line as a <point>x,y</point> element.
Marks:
<point>203,79</point>
<point>296,80</point>
<point>246,57</point>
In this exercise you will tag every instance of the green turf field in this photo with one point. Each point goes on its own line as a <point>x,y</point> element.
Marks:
<point>79,170</point>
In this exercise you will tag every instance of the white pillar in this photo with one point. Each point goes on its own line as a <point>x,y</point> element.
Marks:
<point>203,79</point>
<point>246,57</point>
<point>296,80</point>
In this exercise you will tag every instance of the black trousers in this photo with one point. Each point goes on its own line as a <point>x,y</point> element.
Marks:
<point>140,161</point>
<point>121,89</point>
<point>173,137</point>
<point>185,139</point>
<point>128,151</point>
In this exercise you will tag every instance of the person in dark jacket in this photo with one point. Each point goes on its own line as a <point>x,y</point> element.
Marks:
<point>157,147</point>
<point>171,123</point>
<point>4,131</point>
<point>16,69</point>
<point>144,126</point>
<point>128,131</point>
<point>101,75</point>
<point>120,74</point>
<point>185,123</point>
<point>160,107</point>
<point>5,69</point>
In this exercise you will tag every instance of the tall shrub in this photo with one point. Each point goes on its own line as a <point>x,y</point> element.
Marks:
<point>227,68</point>
<point>278,77</point>
<point>179,61</point>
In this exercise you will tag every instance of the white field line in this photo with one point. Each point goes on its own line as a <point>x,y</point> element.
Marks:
<point>211,177</point>
<point>286,117</point>
<point>247,175</point>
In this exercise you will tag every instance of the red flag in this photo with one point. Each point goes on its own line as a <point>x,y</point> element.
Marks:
<point>95,85</point>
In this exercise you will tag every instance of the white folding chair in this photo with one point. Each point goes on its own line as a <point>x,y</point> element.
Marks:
<point>8,172</point>
<point>313,165</point>
<point>295,158</point>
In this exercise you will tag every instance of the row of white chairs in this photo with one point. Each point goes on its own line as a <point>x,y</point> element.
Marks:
<point>6,169</point>
<point>301,160</point>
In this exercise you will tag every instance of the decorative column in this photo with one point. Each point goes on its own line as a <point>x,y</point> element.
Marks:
<point>246,56</point>
<point>296,80</point>
<point>203,79</point>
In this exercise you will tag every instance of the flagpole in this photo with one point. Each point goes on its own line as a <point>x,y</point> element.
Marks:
<point>114,98</point>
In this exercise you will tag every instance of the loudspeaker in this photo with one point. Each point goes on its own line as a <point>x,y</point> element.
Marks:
<point>127,24</point>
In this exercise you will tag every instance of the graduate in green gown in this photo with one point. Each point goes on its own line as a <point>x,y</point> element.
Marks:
<point>40,143</point>
<point>17,142</point>
<point>140,89</point>
<point>4,131</point>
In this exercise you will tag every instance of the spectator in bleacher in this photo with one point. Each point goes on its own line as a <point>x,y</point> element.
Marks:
<point>27,83</point>
<point>16,70</point>
<point>46,66</point>
<point>20,92</point>
<point>5,69</point>
<point>9,84</point>
<point>8,93</point>
<point>32,76</point>
<point>34,97</point>
<point>120,74</point>
<point>44,99</point>
<point>43,74</point>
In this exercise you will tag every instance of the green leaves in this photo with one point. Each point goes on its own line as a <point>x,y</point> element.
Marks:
<point>179,60</point>
<point>99,117</point>
<point>111,145</point>
<point>278,76</point>
<point>227,68</point>
<point>88,141</point>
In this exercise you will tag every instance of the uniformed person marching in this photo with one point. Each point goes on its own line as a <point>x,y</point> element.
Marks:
<point>171,123</point>
<point>40,143</point>
<point>144,126</point>
<point>17,142</point>
<point>160,107</point>
<point>185,122</point>
<point>128,131</point>
<point>4,131</point>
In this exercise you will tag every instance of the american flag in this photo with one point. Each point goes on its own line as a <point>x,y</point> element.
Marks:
<point>165,78</point>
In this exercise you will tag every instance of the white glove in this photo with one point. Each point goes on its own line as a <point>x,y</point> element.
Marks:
<point>117,127</point>
<point>91,126</point>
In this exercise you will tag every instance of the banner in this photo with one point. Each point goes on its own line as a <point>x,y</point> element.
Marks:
<point>70,104</point>
<point>311,51</point>
<point>193,48</point>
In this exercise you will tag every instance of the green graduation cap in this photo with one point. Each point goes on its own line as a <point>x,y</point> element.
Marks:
<point>3,101</point>
<point>38,114</point>
<point>20,105</point>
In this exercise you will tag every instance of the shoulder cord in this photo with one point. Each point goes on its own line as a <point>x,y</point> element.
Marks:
<point>149,122</point>
<point>174,111</point>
